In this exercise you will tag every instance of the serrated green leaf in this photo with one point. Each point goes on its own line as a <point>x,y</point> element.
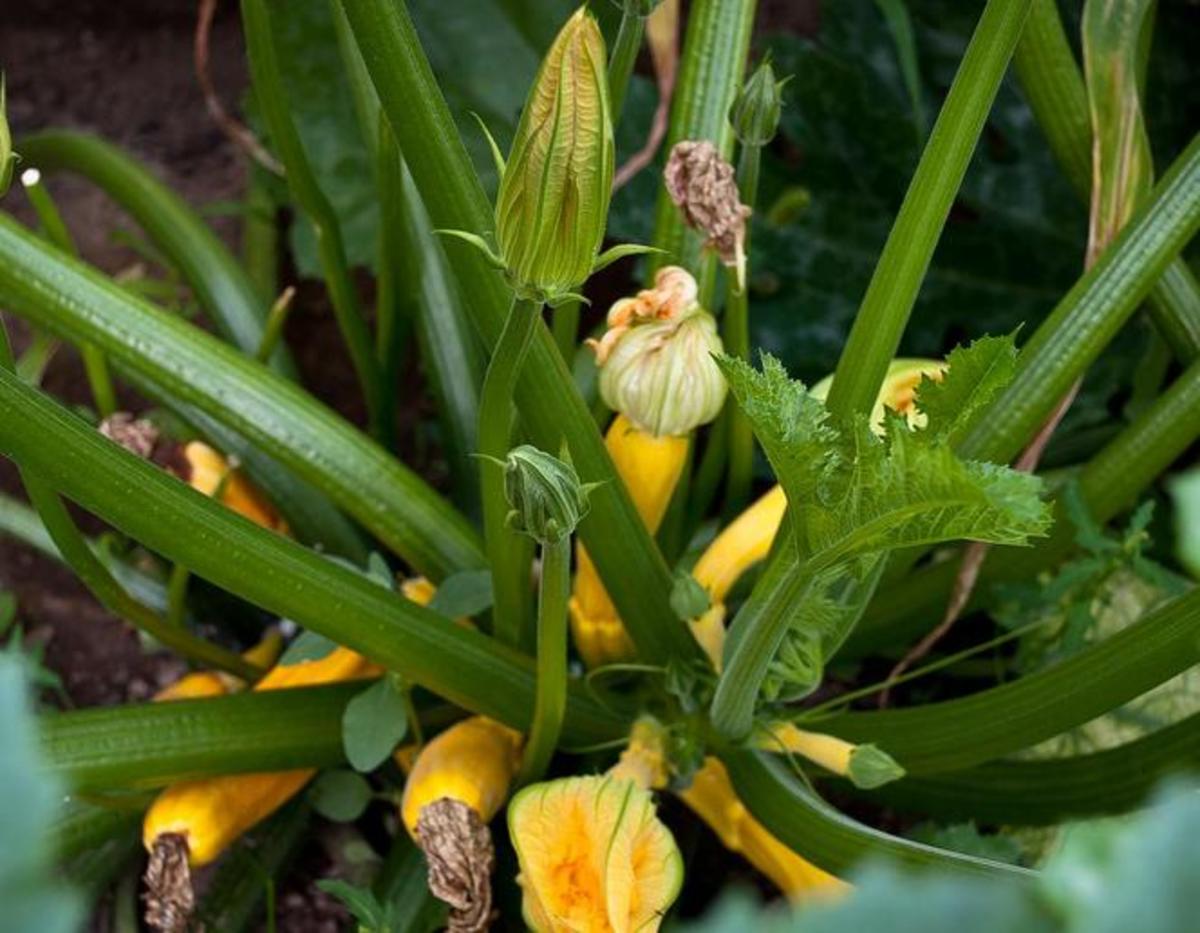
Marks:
<point>374,723</point>
<point>340,796</point>
<point>974,376</point>
<point>464,594</point>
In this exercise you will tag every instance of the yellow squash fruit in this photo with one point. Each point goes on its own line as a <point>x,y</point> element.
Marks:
<point>209,814</point>
<point>209,472</point>
<point>472,762</point>
<point>217,683</point>
<point>594,856</point>
<point>712,798</point>
<point>650,468</point>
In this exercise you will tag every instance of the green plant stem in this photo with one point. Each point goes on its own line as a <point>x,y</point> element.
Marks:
<point>403,884</point>
<point>553,595</point>
<point>197,369</point>
<point>96,577</point>
<point>831,840</point>
<point>736,332</point>
<point>1091,313</point>
<point>260,234</point>
<point>565,327</point>
<point>223,287</point>
<point>1110,482</point>
<point>273,330</point>
<point>711,70</point>
<point>1042,793</point>
<point>552,410</point>
<point>956,734</point>
<point>272,101</point>
<point>270,571</point>
<point>95,366</point>
<point>177,587</point>
<point>509,554</point>
<point>621,61</point>
<point>1053,85</point>
<point>892,292</point>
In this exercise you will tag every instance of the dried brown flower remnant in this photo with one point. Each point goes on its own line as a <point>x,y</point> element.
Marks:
<point>703,186</point>
<point>458,847</point>
<point>169,897</point>
<point>137,435</point>
<point>674,292</point>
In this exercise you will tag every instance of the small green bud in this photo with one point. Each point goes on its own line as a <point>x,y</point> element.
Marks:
<point>755,111</point>
<point>552,205</point>
<point>871,767</point>
<point>6,154</point>
<point>547,499</point>
<point>662,376</point>
<point>689,600</point>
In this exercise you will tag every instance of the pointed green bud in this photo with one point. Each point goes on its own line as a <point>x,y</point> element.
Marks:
<point>545,494</point>
<point>6,154</point>
<point>871,767</point>
<point>755,111</point>
<point>553,201</point>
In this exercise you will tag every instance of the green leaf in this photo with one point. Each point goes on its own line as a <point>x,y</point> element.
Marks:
<point>1185,490</point>
<point>32,899</point>
<point>974,377</point>
<point>362,904</point>
<point>374,723</point>
<point>464,594</point>
<point>966,838</point>
<point>340,796</point>
<point>308,646</point>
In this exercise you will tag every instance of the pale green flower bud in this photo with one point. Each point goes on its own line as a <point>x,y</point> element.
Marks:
<point>553,201</point>
<point>756,110</point>
<point>6,154</point>
<point>547,499</point>
<point>662,376</point>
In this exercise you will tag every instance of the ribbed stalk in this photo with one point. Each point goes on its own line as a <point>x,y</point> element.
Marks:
<point>509,554</point>
<point>892,292</point>
<point>621,61</point>
<point>551,703</point>
<point>551,408</point>
<point>710,74</point>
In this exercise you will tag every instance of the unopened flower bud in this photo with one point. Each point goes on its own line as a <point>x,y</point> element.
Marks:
<point>553,200</point>
<point>755,111</point>
<point>547,499</point>
<point>662,376</point>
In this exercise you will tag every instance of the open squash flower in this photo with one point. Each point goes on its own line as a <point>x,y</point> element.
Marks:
<point>657,372</point>
<point>747,540</point>
<point>594,857</point>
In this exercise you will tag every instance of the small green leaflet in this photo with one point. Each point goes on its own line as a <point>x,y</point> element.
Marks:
<point>463,594</point>
<point>372,916</point>
<point>374,723</point>
<point>975,377</point>
<point>340,796</point>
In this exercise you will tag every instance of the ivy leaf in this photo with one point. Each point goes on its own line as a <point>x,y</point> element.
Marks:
<point>374,723</point>
<point>463,594</point>
<point>340,796</point>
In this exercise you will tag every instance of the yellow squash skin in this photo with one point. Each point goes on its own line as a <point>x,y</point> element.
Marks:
<point>473,762</point>
<point>712,798</point>
<point>216,683</point>
<point>211,813</point>
<point>649,467</point>
<point>209,472</point>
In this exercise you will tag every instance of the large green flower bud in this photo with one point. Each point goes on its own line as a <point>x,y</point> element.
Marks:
<point>553,201</point>
<point>756,110</point>
<point>547,499</point>
<point>662,376</point>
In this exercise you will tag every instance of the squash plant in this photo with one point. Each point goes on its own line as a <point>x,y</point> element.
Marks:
<point>435,638</point>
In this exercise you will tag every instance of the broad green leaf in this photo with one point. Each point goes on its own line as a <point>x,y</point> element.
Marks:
<point>340,796</point>
<point>374,723</point>
<point>464,594</point>
<point>29,897</point>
